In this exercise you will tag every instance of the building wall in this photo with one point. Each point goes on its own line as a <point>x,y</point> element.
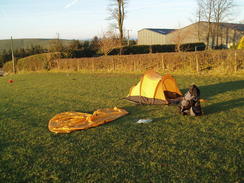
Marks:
<point>147,37</point>
<point>198,33</point>
<point>187,34</point>
<point>191,34</point>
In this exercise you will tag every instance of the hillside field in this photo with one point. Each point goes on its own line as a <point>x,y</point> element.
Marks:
<point>27,43</point>
<point>172,148</point>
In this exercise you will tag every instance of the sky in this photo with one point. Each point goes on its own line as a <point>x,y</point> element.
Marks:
<point>82,19</point>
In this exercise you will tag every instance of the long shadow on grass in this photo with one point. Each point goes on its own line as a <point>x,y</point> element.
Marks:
<point>224,106</point>
<point>211,90</point>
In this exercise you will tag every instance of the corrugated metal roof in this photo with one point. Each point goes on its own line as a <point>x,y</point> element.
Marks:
<point>161,31</point>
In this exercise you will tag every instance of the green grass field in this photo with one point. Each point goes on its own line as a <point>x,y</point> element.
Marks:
<point>172,148</point>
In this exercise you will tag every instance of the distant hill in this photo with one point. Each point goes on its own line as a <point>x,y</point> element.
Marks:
<point>27,43</point>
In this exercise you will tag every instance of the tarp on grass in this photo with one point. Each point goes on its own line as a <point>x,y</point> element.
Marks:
<point>67,122</point>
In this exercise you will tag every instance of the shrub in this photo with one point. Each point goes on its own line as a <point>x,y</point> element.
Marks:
<point>143,49</point>
<point>241,43</point>
<point>193,47</point>
<point>37,62</point>
<point>163,48</point>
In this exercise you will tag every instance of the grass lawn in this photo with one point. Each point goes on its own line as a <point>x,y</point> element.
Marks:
<point>172,148</point>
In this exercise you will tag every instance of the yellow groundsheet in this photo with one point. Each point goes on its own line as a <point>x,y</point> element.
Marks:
<point>67,122</point>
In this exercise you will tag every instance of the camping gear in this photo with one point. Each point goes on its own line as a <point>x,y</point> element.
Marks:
<point>10,81</point>
<point>155,89</point>
<point>144,120</point>
<point>191,102</point>
<point>241,43</point>
<point>67,122</point>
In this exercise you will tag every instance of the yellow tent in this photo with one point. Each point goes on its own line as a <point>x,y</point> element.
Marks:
<point>155,89</point>
<point>241,43</point>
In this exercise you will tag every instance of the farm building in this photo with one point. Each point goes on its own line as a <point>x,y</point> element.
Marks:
<point>153,36</point>
<point>226,34</point>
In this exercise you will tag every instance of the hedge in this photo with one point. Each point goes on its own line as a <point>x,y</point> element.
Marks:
<point>36,62</point>
<point>143,49</point>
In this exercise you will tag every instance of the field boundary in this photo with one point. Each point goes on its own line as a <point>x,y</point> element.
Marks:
<point>222,61</point>
<point>227,60</point>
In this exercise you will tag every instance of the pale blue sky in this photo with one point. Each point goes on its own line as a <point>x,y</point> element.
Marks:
<point>82,19</point>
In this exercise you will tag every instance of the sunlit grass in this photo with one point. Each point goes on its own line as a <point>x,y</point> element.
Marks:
<point>172,148</point>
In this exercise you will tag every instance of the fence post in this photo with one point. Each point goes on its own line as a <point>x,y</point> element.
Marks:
<point>78,65</point>
<point>113,64</point>
<point>236,63</point>
<point>93,66</point>
<point>163,64</point>
<point>197,64</point>
<point>13,59</point>
<point>134,65</point>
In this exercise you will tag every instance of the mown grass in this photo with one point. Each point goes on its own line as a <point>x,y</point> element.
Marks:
<point>172,148</point>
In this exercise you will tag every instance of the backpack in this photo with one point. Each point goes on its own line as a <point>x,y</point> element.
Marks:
<point>190,104</point>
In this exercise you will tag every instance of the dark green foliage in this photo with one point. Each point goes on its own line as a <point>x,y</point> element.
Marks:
<point>79,49</point>
<point>38,62</point>
<point>142,49</point>
<point>221,47</point>
<point>192,47</point>
<point>172,148</point>
<point>162,48</point>
<point>6,55</point>
<point>129,50</point>
<point>71,49</point>
<point>133,50</point>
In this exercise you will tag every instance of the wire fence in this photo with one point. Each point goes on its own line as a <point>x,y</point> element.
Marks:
<point>223,60</point>
<point>216,60</point>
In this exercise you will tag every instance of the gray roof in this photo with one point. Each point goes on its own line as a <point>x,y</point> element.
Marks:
<point>161,31</point>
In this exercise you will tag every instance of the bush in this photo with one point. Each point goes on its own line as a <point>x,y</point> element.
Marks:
<point>241,43</point>
<point>192,47</point>
<point>128,50</point>
<point>143,49</point>
<point>163,48</point>
<point>37,62</point>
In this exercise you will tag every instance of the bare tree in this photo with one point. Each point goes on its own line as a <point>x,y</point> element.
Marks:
<point>117,14</point>
<point>108,42</point>
<point>207,9</point>
<point>214,12</point>
<point>199,13</point>
<point>222,10</point>
<point>197,17</point>
<point>179,37</point>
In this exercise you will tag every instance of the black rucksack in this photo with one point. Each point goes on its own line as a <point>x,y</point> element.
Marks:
<point>190,103</point>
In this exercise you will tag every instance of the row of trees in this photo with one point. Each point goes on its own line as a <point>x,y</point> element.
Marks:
<point>213,11</point>
<point>6,55</point>
<point>76,49</point>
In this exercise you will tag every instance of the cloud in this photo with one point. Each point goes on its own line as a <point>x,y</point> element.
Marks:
<point>73,2</point>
